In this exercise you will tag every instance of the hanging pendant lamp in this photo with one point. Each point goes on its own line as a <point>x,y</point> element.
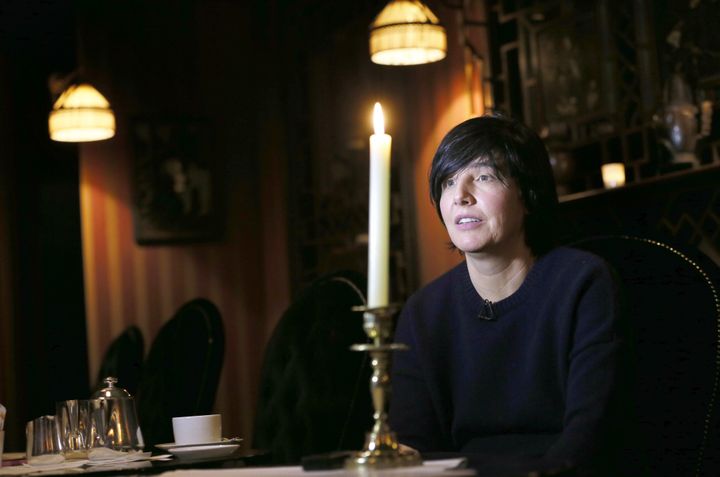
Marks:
<point>81,114</point>
<point>406,32</point>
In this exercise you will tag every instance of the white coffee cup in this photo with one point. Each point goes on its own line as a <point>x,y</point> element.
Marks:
<point>197,429</point>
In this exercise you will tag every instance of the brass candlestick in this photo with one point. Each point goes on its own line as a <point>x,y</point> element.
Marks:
<point>381,447</point>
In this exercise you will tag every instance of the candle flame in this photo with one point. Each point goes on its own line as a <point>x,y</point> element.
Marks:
<point>378,119</point>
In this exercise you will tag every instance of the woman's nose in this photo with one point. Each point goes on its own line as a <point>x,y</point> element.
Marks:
<point>462,194</point>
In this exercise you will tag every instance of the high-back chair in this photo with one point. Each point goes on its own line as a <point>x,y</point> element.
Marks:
<point>673,308</point>
<point>181,373</point>
<point>124,359</point>
<point>314,391</point>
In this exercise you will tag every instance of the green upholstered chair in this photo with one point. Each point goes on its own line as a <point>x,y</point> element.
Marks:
<point>124,359</point>
<point>673,309</point>
<point>314,392</point>
<point>182,370</point>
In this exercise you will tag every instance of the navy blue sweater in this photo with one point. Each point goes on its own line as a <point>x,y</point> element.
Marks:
<point>536,381</point>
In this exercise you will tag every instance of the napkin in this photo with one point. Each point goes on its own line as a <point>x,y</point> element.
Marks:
<point>98,458</point>
<point>47,459</point>
<point>45,464</point>
<point>104,456</point>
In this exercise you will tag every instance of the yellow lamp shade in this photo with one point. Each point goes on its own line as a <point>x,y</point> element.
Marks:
<point>81,114</point>
<point>406,32</point>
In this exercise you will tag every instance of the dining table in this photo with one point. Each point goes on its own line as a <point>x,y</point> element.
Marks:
<point>254,462</point>
<point>243,464</point>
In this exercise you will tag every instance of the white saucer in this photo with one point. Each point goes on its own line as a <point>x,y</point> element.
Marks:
<point>224,442</point>
<point>203,451</point>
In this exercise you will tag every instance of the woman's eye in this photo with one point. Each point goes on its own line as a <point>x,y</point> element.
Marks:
<point>484,178</point>
<point>449,182</point>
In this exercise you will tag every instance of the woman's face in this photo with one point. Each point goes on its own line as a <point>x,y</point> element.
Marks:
<point>482,213</point>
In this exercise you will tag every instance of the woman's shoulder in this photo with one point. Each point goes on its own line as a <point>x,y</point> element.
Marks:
<point>574,258</point>
<point>571,265</point>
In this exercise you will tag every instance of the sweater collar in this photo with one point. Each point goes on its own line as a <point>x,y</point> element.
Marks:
<point>476,302</point>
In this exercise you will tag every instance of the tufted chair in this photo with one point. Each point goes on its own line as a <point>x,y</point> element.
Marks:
<point>123,360</point>
<point>671,300</point>
<point>181,373</point>
<point>314,395</point>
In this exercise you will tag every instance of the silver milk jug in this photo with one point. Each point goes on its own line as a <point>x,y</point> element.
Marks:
<point>119,429</point>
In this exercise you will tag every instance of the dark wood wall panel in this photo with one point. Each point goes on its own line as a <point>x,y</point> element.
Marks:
<point>682,207</point>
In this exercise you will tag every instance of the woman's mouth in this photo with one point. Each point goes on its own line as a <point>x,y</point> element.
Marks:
<point>467,222</point>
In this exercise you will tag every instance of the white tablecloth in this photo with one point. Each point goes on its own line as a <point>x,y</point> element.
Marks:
<point>440,468</point>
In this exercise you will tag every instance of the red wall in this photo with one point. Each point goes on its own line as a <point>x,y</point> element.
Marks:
<point>194,64</point>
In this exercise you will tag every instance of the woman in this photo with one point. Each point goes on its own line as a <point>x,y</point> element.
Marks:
<point>513,352</point>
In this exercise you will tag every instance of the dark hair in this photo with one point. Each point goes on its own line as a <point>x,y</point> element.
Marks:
<point>513,150</point>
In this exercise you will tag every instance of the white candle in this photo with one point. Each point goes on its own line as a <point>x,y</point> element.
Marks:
<point>379,220</point>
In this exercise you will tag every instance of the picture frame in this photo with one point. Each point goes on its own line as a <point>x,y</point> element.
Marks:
<point>570,76</point>
<point>176,190</point>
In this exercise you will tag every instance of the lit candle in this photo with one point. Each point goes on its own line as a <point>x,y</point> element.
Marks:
<point>379,220</point>
<point>613,174</point>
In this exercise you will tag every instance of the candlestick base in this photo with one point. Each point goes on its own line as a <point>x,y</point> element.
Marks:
<point>382,450</point>
<point>382,459</point>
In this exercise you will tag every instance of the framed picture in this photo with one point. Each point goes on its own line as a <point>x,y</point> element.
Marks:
<point>175,182</point>
<point>569,57</point>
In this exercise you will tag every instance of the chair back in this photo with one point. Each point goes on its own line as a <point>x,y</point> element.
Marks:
<point>181,373</point>
<point>314,391</point>
<point>123,360</point>
<point>672,306</point>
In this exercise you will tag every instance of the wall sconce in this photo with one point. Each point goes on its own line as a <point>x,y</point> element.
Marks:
<point>613,174</point>
<point>407,32</point>
<point>80,113</point>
